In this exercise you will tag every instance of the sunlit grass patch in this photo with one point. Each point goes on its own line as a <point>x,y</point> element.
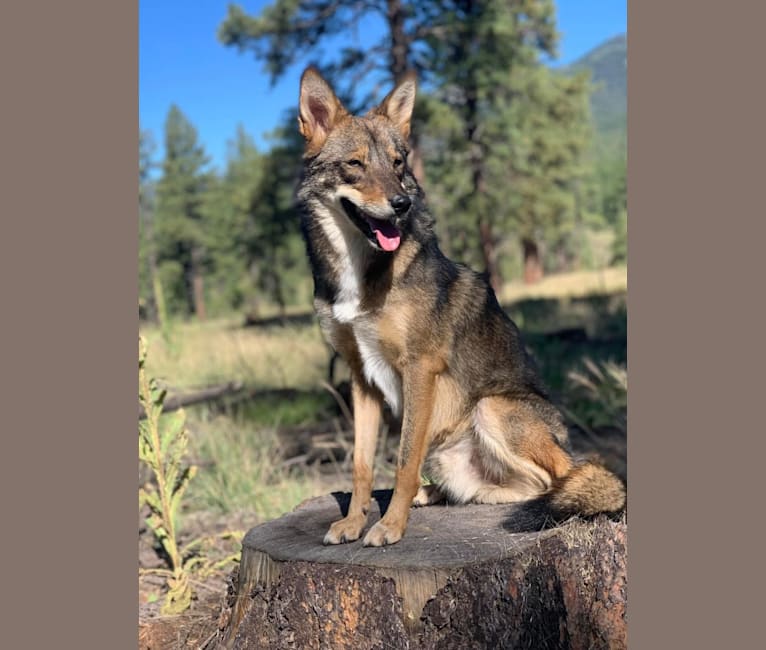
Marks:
<point>569,285</point>
<point>222,351</point>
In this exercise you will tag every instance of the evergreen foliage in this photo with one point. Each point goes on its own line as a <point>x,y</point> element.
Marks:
<point>180,226</point>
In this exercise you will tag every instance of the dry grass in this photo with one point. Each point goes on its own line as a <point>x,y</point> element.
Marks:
<point>569,285</point>
<point>222,351</point>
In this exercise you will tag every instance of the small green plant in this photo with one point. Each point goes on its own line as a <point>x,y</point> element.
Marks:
<point>162,445</point>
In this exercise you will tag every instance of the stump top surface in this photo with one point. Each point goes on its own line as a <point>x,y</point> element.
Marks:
<point>437,536</point>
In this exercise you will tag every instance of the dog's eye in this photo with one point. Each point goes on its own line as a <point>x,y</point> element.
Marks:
<point>397,162</point>
<point>354,163</point>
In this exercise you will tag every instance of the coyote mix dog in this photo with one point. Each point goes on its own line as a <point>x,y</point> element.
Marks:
<point>422,333</point>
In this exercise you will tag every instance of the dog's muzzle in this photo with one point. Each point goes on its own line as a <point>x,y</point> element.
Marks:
<point>381,233</point>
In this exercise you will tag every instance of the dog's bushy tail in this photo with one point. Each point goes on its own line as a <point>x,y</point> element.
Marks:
<point>587,490</point>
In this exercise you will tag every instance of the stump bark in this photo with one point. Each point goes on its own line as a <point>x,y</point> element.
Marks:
<point>462,577</point>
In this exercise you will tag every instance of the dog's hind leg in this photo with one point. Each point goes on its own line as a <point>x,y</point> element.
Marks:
<point>517,450</point>
<point>367,410</point>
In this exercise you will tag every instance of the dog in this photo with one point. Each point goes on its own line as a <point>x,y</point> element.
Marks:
<point>423,334</point>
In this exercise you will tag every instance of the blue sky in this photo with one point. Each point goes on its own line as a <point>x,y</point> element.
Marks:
<point>182,62</point>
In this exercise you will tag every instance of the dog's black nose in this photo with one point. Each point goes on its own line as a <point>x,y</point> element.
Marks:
<point>401,203</point>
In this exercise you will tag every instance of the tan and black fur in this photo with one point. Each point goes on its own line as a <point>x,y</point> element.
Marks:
<point>422,333</point>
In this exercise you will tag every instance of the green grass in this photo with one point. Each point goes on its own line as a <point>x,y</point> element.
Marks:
<point>238,454</point>
<point>273,410</point>
<point>604,320</point>
<point>239,470</point>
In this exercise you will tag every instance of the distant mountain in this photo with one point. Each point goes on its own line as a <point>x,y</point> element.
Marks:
<point>608,65</point>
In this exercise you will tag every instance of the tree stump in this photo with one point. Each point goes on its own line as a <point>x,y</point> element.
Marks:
<point>462,577</point>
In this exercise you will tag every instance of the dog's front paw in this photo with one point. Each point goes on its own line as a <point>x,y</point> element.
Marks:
<point>381,534</point>
<point>345,530</point>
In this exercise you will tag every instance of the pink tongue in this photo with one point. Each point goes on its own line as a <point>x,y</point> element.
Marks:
<point>388,235</point>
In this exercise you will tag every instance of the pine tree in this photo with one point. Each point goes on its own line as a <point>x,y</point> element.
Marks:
<point>289,29</point>
<point>150,286</point>
<point>145,201</point>
<point>255,251</point>
<point>610,179</point>
<point>545,164</point>
<point>180,225</point>
<point>231,227</point>
<point>276,251</point>
<point>509,155</point>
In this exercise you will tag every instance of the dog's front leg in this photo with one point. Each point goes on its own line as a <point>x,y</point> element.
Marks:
<point>418,383</point>
<point>367,410</point>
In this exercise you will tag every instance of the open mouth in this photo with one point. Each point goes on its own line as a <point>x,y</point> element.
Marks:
<point>379,231</point>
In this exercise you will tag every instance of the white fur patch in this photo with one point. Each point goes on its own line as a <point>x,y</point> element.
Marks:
<point>352,248</point>
<point>456,473</point>
<point>377,370</point>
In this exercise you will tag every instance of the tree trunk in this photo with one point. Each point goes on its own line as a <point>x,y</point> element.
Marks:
<point>416,160</point>
<point>400,44</point>
<point>399,64</point>
<point>198,288</point>
<point>477,154</point>
<point>159,298</point>
<point>533,267</point>
<point>159,313</point>
<point>462,576</point>
<point>490,255</point>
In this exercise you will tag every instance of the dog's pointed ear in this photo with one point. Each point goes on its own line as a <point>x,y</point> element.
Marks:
<point>398,104</point>
<point>318,108</point>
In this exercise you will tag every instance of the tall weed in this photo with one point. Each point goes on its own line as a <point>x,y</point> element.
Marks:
<point>162,446</point>
<point>599,395</point>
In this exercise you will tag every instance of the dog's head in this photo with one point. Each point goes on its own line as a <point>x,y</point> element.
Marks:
<point>360,163</point>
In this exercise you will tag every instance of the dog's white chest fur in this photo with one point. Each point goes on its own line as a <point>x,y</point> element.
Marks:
<point>346,308</point>
<point>377,370</point>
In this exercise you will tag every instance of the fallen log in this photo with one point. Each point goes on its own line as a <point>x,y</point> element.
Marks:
<point>462,577</point>
<point>175,402</point>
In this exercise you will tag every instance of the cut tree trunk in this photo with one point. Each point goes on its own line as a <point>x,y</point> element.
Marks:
<point>533,266</point>
<point>489,254</point>
<point>399,65</point>
<point>462,577</point>
<point>416,160</point>
<point>198,285</point>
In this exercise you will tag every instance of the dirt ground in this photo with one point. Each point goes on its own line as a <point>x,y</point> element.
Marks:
<point>196,627</point>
